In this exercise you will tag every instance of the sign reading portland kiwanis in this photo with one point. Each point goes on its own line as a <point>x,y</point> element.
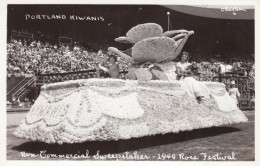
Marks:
<point>63,17</point>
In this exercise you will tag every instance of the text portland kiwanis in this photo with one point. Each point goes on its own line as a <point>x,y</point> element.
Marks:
<point>63,17</point>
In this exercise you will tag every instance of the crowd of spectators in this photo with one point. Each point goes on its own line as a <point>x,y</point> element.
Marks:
<point>25,59</point>
<point>37,58</point>
<point>34,58</point>
<point>209,70</point>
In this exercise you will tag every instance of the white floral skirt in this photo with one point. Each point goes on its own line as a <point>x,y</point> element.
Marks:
<point>196,88</point>
<point>113,109</point>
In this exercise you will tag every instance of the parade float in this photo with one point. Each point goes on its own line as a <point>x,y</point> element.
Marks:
<point>150,102</point>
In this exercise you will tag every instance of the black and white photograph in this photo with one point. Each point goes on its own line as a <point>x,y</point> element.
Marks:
<point>130,82</point>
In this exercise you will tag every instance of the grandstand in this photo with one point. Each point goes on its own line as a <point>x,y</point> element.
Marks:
<point>38,56</point>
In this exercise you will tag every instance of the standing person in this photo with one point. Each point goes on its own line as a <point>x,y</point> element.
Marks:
<point>113,69</point>
<point>193,87</point>
<point>222,70</point>
<point>233,92</point>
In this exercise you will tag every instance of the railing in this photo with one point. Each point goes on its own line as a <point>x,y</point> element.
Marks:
<point>16,86</point>
<point>23,89</point>
<point>60,77</point>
